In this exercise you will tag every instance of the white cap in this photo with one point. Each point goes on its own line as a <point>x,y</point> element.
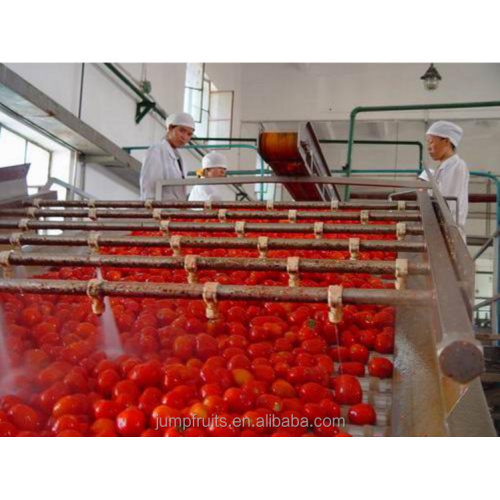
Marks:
<point>184,119</point>
<point>447,130</point>
<point>214,160</point>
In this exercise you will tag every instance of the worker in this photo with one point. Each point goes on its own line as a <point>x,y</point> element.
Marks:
<point>452,175</point>
<point>213,165</point>
<point>164,162</point>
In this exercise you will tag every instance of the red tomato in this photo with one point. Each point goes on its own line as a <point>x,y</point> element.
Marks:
<point>283,389</point>
<point>362,414</point>
<point>359,353</point>
<point>380,367</point>
<point>25,418</point>
<point>206,346</point>
<point>384,343</point>
<point>313,393</point>
<point>131,422</point>
<point>347,390</point>
<point>76,404</point>
<point>352,368</point>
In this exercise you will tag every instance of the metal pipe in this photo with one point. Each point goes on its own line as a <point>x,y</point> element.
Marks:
<point>224,292</point>
<point>215,263</point>
<point>220,227</point>
<point>226,243</point>
<point>375,205</point>
<point>376,215</point>
<point>410,107</point>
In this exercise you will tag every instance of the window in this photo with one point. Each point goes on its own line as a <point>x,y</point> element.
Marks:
<point>211,109</point>
<point>16,150</point>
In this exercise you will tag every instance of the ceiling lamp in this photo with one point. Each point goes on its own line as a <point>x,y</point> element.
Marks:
<point>431,78</point>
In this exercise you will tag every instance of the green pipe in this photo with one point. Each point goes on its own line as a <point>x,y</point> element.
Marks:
<point>409,107</point>
<point>151,104</point>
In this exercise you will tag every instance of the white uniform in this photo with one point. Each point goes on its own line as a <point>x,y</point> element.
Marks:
<point>212,193</point>
<point>162,162</point>
<point>452,178</point>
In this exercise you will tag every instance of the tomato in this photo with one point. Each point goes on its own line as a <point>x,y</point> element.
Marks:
<point>380,367</point>
<point>347,390</point>
<point>150,399</point>
<point>106,409</point>
<point>147,374</point>
<point>164,417</point>
<point>264,373</point>
<point>313,393</point>
<point>270,402</point>
<point>241,376</point>
<point>362,414</point>
<point>206,346</point>
<point>179,397</point>
<point>238,400</point>
<point>314,413</point>
<point>283,389</point>
<point>131,422</point>
<point>107,380</point>
<point>359,353</point>
<point>70,422</point>
<point>76,404</point>
<point>25,418</point>
<point>238,361</point>
<point>352,368</point>
<point>7,429</point>
<point>384,343</point>
<point>184,346</point>
<point>126,392</point>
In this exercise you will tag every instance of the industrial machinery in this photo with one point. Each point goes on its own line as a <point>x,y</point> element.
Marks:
<point>333,258</point>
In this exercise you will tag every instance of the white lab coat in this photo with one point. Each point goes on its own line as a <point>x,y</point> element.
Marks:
<point>212,193</point>
<point>162,163</point>
<point>452,178</point>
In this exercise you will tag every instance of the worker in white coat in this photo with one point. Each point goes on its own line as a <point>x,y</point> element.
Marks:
<point>213,165</point>
<point>452,174</point>
<point>164,162</point>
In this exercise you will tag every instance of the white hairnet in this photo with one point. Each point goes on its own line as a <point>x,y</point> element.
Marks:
<point>447,130</point>
<point>213,159</point>
<point>184,119</point>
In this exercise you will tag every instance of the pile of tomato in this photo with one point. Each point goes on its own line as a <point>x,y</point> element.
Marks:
<point>255,361</point>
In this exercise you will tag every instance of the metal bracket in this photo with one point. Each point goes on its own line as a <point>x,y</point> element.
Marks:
<point>292,268</point>
<point>148,204</point>
<point>31,212</point>
<point>175,245</point>
<point>5,264</point>
<point>94,291</point>
<point>364,216</point>
<point>207,205</point>
<point>354,248</point>
<point>23,224</point>
<point>270,205</point>
<point>210,299</point>
<point>402,205</point>
<point>15,240</point>
<point>36,202</point>
<point>239,228</point>
<point>142,109</point>
<point>400,231</point>
<point>292,216</point>
<point>165,228</point>
<point>334,205</point>
<point>319,227</point>
<point>262,246</point>
<point>157,214</point>
<point>221,214</point>
<point>335,303</point>
<point>91,203</point>
<point>92,215</point>
<point>191,267</point>
<point>93,241</point>
<point>401,273</point>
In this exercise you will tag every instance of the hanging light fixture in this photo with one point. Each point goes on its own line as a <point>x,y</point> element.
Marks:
<point>431,78</point>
